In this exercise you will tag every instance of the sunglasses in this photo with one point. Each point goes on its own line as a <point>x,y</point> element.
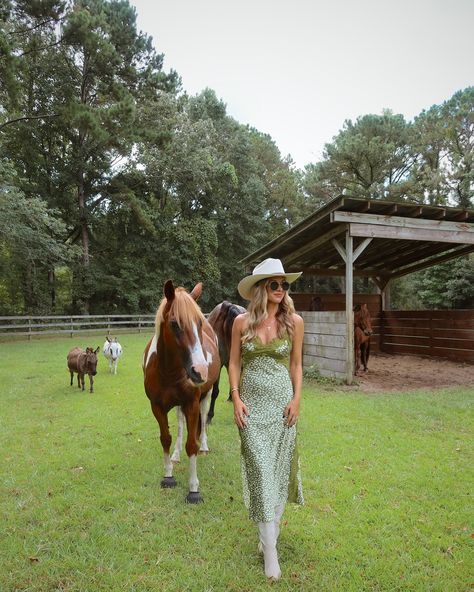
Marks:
<point>274,286</point>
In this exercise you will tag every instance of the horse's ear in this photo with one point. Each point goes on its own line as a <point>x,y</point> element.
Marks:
<point>97,349</point>
<point>197,291</point>
<point>169,290</point>
<point>108,339</point>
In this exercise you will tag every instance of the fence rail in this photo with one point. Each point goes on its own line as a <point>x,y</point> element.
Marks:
<point>438,333</point>
<point>30,326</point>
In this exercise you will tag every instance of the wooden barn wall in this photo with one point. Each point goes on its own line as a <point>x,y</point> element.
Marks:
<point>438,333</point>
<point>320,350</point>
<point>333,302</point>
<point>324,343</point>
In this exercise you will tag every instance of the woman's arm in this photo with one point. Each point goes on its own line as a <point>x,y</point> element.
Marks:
<point>292,410</point>
<point>240,409</point>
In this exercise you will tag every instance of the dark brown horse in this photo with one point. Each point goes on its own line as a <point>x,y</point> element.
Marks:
<point>83,362</point>
<point>222,320</point>
<point>362,333</point>
<point>180,364</point>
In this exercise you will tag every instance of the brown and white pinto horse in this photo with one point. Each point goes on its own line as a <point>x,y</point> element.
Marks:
<point>180,364</point>
<point>222,319</point>
<point>362,333</point>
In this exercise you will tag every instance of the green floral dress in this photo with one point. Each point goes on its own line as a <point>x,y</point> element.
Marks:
<point>269,454</point>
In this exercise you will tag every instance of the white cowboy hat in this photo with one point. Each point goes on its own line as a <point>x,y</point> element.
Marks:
<point>266,269</point>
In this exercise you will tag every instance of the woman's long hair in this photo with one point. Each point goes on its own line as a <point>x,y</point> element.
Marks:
<point>257,313</point>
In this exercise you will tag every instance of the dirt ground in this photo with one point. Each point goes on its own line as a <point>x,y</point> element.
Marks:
<point>395,373</point>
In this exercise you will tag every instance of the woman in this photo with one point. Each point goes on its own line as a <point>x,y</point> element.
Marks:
<point>265,373</point>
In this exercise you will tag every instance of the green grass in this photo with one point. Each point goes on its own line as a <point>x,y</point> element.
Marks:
<point>387,479</point>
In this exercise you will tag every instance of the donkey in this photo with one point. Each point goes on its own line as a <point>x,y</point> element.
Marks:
<point>112,351</point>
<point>83,362</point>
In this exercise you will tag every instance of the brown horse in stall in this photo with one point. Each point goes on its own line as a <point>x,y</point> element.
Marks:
<point>362,333</point>
<point>222,319</point>
<point>180,364</point>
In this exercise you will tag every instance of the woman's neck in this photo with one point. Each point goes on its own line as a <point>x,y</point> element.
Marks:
<point>272,309</point>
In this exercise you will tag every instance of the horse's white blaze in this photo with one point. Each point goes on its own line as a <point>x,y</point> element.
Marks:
<point>193,478</point>
<point>176,457</point>
<point>152,349</point>
<point>168,465</point>
<point>198,360</point>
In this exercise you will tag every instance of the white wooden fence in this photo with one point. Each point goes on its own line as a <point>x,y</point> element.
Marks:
<point>324,343</point>
<point>72,324</point>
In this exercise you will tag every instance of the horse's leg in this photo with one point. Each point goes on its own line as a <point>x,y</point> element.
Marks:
<point>72,376</point>
<point>214,395</point>
<point>115,366</point>
<point>204,448</point>
<point>191,413</point>
<point>165,439</point>
<point>357,358</point>
<point>82,382</point>
<point>78,380</point>
<point>367,354</point>
<point>91,380</point>
<point>176,457</point>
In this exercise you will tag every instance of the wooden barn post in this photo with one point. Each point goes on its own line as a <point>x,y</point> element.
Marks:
<point>349,307</point>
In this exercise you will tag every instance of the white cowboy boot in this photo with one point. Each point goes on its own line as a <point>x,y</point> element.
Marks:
<point>278,514</point>
<point>267,538</point>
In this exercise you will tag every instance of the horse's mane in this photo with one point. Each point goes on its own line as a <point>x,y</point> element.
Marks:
<point>184,309</point>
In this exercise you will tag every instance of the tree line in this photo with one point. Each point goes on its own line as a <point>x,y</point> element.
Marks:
<point>113,179</point>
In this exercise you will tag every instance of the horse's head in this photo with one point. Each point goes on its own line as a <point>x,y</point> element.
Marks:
<point>179,323</point>
<point>362,318</point>
<point>90,362</point>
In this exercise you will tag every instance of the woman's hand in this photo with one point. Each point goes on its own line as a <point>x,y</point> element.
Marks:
<point>292,412</point>
<point>240,412</point>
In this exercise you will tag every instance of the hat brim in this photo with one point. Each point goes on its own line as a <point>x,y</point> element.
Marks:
<point>245,286</point>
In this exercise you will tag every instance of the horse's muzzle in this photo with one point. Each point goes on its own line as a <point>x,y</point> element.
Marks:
<point>198,376</point>
<point>368,333</point>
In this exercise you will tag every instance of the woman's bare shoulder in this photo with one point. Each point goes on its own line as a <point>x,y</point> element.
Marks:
<point>241,320</point>
<point>297,320</point>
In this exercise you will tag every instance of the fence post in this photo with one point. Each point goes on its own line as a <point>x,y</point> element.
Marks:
<point>139,324</point>
<point>108,326</point>
<point>72,328</point>
<point>29,328</point>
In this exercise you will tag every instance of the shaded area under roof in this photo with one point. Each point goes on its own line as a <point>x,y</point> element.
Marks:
<point>390,239</point>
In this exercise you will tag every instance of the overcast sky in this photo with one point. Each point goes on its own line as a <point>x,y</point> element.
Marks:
<point>296,69</point>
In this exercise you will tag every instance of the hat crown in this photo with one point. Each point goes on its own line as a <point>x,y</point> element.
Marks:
<point>269,266</point>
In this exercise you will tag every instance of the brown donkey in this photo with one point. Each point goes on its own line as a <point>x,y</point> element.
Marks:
<point>83,362</point>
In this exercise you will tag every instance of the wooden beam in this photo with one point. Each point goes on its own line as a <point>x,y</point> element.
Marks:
<point>418,234</point>
<point>340,271</point>
<point>349,313</point>
<point>402,222</point>
<point>339,249</point>
<point>361,248</point>
<point>433,261</point>
<point>293,233</point>
<point>314,244</point>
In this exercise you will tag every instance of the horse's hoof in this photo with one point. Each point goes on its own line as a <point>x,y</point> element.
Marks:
<point>168,482</point>
<point>194,497</point>
<point>204,452</point>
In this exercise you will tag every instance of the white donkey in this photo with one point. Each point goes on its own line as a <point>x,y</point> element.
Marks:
<point>112,351</point>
